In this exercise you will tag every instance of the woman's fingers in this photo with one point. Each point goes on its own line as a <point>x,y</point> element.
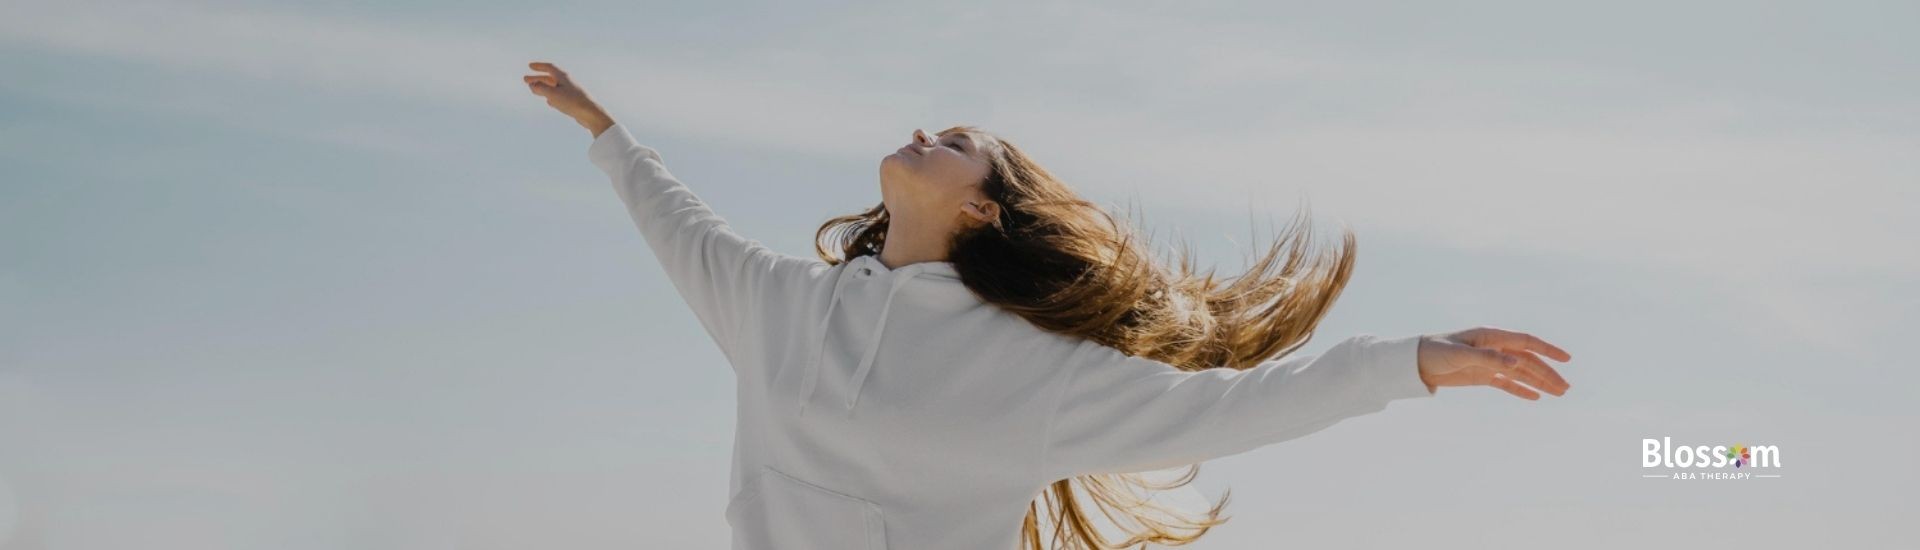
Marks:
<point>1539,374</point>
<point>1502,338</point>
<point>1534,343</point>
<point>565,96</point>
<point>543,66</point>
<point>1508,385</point>
<point>1521,366</point>
<point>1488,356</point>
<point>1508,369</point>
<point>1498,360</point>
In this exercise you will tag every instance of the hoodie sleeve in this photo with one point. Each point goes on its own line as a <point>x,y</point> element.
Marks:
<point>724,277</point>
<point>1122,413</point>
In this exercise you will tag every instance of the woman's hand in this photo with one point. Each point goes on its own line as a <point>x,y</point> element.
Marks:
<point>1487,356</point>
<point>568,98</point>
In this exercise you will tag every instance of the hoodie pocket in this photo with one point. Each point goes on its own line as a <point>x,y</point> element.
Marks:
<point>777,510</point>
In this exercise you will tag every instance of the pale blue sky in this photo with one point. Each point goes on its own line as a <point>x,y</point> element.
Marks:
<point>281,276</point>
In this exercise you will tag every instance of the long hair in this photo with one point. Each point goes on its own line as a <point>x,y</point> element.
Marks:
<point>1067,266</point>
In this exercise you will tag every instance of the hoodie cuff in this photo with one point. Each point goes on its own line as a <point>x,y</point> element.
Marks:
<point>1395,365</point>
<point>612,148</point>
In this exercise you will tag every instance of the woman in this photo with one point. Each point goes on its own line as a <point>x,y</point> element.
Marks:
<point>966,350</point>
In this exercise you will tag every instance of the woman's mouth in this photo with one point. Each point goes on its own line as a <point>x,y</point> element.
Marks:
<point>907,149</point>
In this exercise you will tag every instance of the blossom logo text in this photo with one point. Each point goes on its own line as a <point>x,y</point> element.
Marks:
<point>1687,460</point>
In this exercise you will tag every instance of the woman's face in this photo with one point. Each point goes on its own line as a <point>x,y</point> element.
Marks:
<point>936,179</point>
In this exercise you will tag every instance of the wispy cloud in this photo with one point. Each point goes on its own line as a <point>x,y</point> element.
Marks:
<point>1543,156</point>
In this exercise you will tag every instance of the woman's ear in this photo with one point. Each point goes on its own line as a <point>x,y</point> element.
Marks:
<point>987,212</point>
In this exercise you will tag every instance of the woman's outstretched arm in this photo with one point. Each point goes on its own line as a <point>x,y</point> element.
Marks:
<point>1121,413</point>
<point>720,274</point>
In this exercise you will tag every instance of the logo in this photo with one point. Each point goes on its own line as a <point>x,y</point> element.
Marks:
<point>1741,451</point>
<point>1687,461</point>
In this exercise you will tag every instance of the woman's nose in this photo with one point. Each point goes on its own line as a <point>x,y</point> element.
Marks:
<point>920,137</point>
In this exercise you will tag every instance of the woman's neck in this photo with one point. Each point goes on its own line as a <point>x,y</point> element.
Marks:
<point>905,246</point>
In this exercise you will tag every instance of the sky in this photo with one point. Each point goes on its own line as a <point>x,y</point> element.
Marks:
<point>327,276</point>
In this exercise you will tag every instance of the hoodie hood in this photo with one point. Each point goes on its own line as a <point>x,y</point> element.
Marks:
<point>865,267</point>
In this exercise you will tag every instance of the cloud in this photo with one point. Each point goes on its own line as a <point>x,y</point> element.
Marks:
<point>1555,157</point>
<point>477,68</point>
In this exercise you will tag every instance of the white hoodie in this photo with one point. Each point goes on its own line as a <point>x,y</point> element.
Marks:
<point>891,408</point>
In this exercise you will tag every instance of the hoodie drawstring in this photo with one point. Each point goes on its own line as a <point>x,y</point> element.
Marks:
<point>812,375</point>
<point>873,346</point>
